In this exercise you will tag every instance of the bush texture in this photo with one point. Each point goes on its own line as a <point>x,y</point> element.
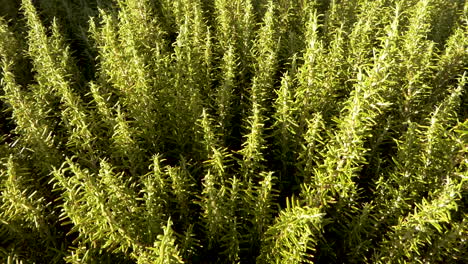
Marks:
<point>234,131</point>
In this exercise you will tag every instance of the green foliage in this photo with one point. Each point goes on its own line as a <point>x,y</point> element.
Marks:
<point>293,236</point>
<point>243,131</point>
<point>414,233</point>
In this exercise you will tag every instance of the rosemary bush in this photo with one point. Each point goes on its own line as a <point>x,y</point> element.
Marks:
<point>233,131</point>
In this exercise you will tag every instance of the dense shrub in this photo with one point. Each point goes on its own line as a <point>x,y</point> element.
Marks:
<point>233,131</point>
